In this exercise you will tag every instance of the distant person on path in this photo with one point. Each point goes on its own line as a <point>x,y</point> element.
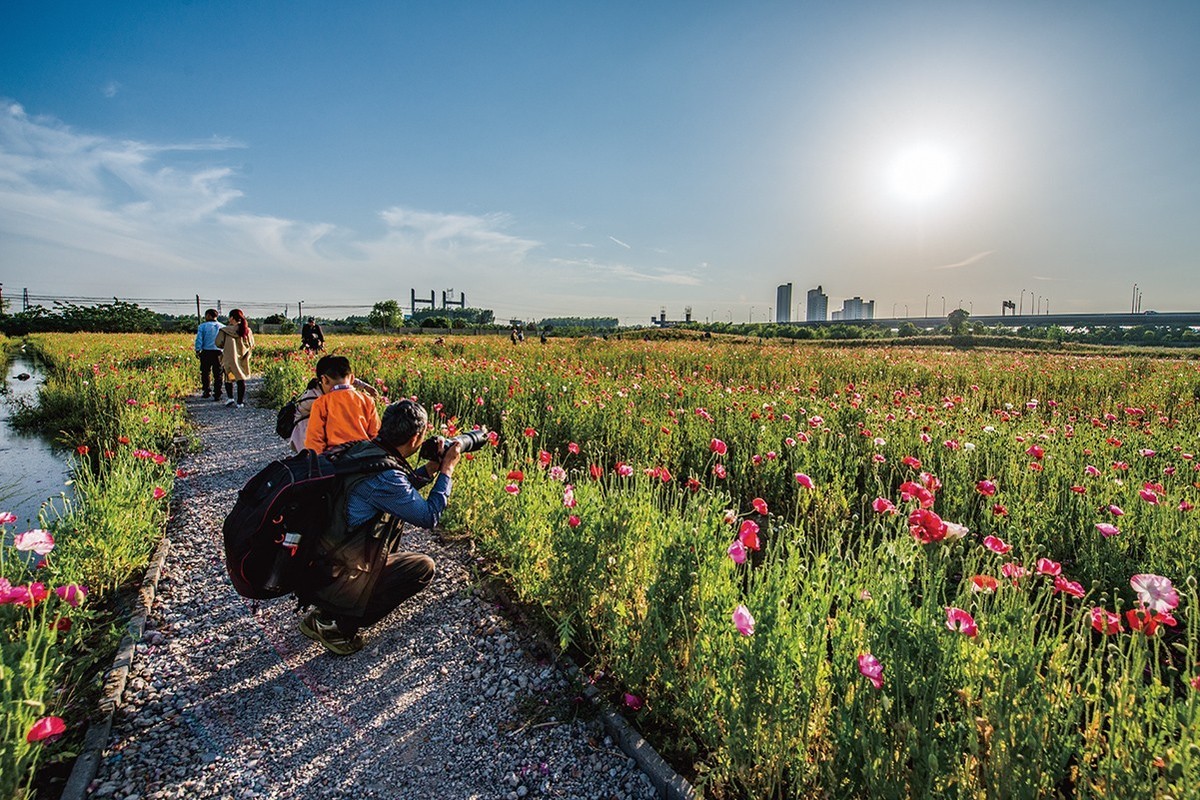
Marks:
<point>359,573</point>
<point>209,353</point>
<point>304,402</point>
<point>312,339</point>
<point>236,341</point>
<point>342,414</point>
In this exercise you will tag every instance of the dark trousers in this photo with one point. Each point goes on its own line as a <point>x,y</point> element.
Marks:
<point>403,575</point>
<point>210,366</point>
<point>241,390</point>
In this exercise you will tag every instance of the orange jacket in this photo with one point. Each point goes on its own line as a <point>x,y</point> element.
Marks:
<point>341,415</point>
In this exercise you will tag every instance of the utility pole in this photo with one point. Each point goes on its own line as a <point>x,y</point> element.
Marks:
<point>25,299</point>
<point>300,311</point>
<point>197,308</point>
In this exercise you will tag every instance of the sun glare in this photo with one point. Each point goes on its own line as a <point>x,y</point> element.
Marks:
<point>921,173</point>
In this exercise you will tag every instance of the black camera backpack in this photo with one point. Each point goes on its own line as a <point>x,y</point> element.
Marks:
<point>283,510</point>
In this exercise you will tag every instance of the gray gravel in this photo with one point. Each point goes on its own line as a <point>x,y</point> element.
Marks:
<point>445,701</point>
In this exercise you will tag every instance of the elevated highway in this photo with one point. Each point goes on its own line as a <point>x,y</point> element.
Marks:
<point>1172,319</point>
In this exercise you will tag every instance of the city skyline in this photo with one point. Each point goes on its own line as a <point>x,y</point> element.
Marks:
<point>605,159</point>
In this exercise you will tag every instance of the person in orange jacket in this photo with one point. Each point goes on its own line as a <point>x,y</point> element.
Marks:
<point>342,413</point>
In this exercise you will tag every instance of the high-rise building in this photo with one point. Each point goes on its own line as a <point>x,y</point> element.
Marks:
<point>783,303</point>
<point>857,308</point>
<point>818,305</point>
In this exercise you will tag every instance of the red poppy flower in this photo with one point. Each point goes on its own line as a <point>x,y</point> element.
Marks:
<point>44,728</point>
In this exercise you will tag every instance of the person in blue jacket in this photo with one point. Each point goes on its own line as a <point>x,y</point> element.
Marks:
<point>209,354</point>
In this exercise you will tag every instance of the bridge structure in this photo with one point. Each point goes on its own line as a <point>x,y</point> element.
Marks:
<point>1168,319</point>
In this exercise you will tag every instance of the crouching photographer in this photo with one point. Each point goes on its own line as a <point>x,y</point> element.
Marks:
<point>358,573</point>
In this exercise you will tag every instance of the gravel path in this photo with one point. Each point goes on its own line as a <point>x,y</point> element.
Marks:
<point>445,701</point>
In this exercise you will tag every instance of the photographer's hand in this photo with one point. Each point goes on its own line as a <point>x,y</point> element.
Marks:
<point>450,458</point>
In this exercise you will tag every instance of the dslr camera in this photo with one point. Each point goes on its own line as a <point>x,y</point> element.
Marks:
<point>432,448</point>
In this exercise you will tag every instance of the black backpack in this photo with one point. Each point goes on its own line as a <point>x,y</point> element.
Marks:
<point>282,511</point>
<point>285,420</point>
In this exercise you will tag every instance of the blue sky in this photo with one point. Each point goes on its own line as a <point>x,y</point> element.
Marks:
<point>603,159</point>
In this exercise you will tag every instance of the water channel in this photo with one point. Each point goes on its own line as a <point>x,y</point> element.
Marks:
<point>33,472</point>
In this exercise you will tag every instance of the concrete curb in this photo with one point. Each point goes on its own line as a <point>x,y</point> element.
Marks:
<point>92,750</point>
<point>669,783</point>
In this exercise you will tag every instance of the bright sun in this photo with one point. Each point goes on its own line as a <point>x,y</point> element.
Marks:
<point>921,173</point>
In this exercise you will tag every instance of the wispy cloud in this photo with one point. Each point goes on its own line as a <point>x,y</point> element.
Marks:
<point>966,262</point>
<point>110,89</point>
<point>604,272</point>
<point>618,241</point>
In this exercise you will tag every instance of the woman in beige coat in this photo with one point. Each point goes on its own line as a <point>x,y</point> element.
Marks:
<point>236,340</point>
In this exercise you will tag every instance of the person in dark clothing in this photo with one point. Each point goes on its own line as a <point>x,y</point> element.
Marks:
<point>209,354</point>
<point>312,338</point>
<point>359,573</point>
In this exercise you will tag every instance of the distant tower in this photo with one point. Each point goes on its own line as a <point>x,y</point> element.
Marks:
<point>783,303</point>
<point>857,308</point>
<point>818,305</point>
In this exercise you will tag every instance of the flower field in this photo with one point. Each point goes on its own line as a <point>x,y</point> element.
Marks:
<point>811,572</point>
<point>808,572</point>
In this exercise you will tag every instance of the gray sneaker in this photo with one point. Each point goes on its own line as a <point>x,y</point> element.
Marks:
<point>241,405</point>
<point>230,403</point>
<point>316,627</point>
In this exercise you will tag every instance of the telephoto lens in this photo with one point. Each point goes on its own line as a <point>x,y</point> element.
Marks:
<point>432,449</point>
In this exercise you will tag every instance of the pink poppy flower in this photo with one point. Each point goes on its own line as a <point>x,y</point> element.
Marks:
<point>7,518</point>
<point>1091,471</point>
<point>803,480</point>
<point>1184,505</point>
<point>737,551</point>
<point>573,521</point>
<point>986,488</point>
<point>743,621</point>
<point>1065,586</point>
<point>515,475</point>
<point>512,488</point>
<point>718,447</point>
<point>956,531</point>
<point>871,669</point>
<point>960,621</point>
<point>73,594</point>
<point>530,432</point>
<point>1107,529</point>
<point>1036,451</point>
<point>915,491</point>
<point>1105,621</point>
<point>996,544</point>
<point>28,595</point>
<point>1155,592</point>
<point>569,496</point>
<point>719,471</point>
<point>911,461</point>
<point>748,534</point>
<point>1149,495</point>
<point>623,469</point>
<point>634,702</point>
<point>760,505</point>
<point>1013,570</point>
<point>1116,511</point>
<point>573,448</point>
<point>44,728</point>
<point>556,473</point>
<point>544,458</point>
<point>159,493</point>
<point>999,510</point>
<point>1047,567</point>
<point>882,505</point>
<point>1079,489</point>
<point>926,526</point>
<point>38,540</point>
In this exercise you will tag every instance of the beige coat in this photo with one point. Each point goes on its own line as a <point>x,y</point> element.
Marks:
<point>235,352</point>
